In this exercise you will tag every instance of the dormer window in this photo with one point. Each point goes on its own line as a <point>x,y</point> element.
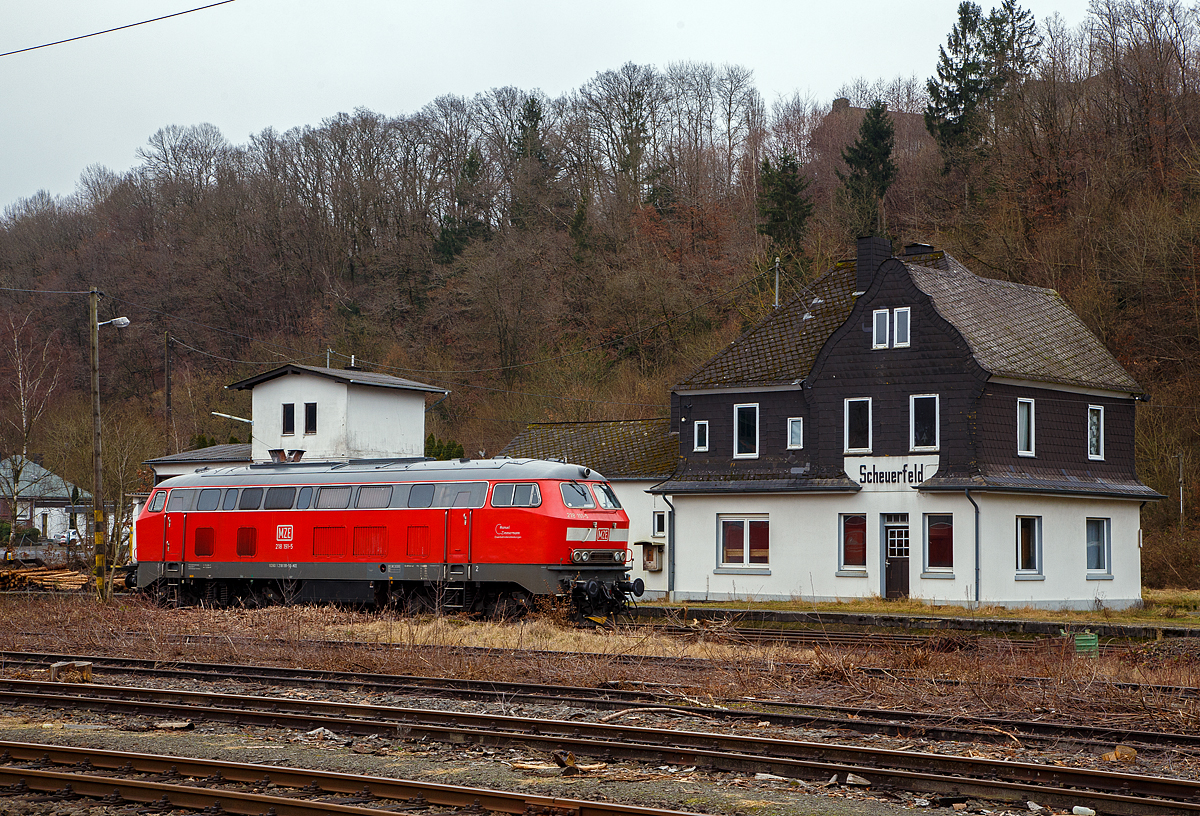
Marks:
<point>891,328</point>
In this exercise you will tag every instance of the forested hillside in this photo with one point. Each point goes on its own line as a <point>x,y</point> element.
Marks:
<point>570,258</point>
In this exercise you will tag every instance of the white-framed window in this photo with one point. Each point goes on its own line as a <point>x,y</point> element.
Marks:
<point>924,422</point>
<point>1029,544</point>
<point>289,418</point>
<point>1099,545</point>
<point>745,541</point>
<point>900,330</point>
<point>658,524</point>
<point>852,541</point>
<point>939,542</point>
<point>745,431</point>
<point>1025,427</point>
<point>1095,432</point>
<point>858,425</point>
<point>880,319</point>
<point>700,435</point>
<point>795,437</point>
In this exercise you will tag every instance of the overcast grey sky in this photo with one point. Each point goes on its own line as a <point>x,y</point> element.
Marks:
<point>252,64</point>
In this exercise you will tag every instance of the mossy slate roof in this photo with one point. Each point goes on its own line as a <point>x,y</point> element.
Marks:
<point>624,449</point>
<point>1013,330</point>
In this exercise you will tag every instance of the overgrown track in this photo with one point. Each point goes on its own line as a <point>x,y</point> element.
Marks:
<point>1109,792</point>
<point>197,784</point>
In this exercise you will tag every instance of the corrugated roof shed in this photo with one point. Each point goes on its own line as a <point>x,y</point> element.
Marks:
<point>624,449</point>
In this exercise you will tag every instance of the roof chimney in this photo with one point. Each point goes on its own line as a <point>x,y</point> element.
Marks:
<point>352,366</point>
<point>917,249</point>
<point>872,252</point>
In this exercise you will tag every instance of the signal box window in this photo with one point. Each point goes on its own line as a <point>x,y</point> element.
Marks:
<point>745,541</point>
<point>289,418</point>
<point>659,525</point>
<point>1098,544</point>
<point>1025,437</point>
<point>516,495</point>
<point>879,333</point>
<point>700,435</point>
<point>923,430</point>
<point>854,542</point>
<point>575,496</point>
<point>1095,438</point>
<point>745,431</point>
<point>310,417</point>
<point>1029,544</point>
<point>795,426</point>
<point>900,331</point>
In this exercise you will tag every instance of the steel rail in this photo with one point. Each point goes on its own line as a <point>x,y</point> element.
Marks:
<point>329,782</point>
<point>917,771</point>
<point>892,722</point>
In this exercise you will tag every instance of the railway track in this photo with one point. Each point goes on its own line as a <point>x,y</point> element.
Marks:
<point>858,719</point>
<point>231,787</point>
<point>1106,791</point>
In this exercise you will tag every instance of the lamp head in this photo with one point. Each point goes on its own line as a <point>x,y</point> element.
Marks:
<point>120,322</point>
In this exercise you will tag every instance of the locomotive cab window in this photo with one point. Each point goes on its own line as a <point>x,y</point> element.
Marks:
<point>606,498</point>
<point>460,494</point>
<point>516,495</point>
<point>576,496</point>
<point>159,500</point>
<point>180,501</point>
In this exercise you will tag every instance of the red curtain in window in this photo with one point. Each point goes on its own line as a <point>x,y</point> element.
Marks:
<point>854,541</point>
<point>941,541</point>
<point>760,535</point>
<point>733,535</point>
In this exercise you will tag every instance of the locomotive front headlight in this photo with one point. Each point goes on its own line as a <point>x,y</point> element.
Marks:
<point>585,555</point>
<point>576,556</point>
<point>619,556</point>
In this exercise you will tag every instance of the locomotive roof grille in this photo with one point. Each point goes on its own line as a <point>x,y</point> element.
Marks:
<point>383,471</point>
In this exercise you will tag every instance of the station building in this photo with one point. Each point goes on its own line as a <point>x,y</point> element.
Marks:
<point>906,428</point>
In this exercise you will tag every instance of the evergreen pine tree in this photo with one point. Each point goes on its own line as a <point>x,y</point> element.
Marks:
<point>784,205</point>
<point>871,172</point>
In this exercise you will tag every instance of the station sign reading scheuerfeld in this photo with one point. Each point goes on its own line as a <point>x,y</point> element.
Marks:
<point>891,472</point>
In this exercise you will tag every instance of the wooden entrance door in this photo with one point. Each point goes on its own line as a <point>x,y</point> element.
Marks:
<point>896,542</point>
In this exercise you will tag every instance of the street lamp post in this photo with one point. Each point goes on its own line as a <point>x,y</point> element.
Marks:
<point>97,478</point>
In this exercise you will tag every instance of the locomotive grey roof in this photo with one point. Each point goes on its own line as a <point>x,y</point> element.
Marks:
<point>383,471</point>
<point>367,378</point>
<point>625,449</point>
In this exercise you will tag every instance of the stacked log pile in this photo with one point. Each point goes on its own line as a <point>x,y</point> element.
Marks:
<point>64,580</point>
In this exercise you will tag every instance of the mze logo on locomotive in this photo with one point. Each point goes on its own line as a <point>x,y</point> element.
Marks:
<point>482,536</point>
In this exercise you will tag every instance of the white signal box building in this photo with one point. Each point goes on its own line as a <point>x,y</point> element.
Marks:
<point>306,413</point>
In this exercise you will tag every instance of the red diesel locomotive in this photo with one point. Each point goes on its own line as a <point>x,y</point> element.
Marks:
<point>481,536</point>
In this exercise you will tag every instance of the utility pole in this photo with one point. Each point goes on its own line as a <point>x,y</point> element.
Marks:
<point>1180,455</point>
<point>101,549</point>
<point>167,376</point>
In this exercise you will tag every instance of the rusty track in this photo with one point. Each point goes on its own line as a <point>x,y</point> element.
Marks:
<point>1110,792</point>
<point>198,783</point>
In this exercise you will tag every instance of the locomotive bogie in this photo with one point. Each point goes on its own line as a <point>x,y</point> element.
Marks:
<point>476,536</point>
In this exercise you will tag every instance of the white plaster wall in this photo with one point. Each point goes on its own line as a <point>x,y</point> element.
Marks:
<point>384,422</point>
<point>1065,579</point>
<point>640,507</point>
<point>329,442</point>
<point>804,549</point>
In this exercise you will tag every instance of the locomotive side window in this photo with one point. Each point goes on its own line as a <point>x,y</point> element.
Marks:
<point>279,498</point>
<point>399,495</point>
<point>246,543</point>
<point>516,495</point>
<point>180,501</point>
<point>576,496</point>
<point>333,498</point>
<point>205,537</point>
<point>372,497</point>
<point>420,495</point>
<point>251,498</point>
<point>208,499</point>
<point>461,494</point>
<point>305,498</point>
<point>230,502</point>
<point>606,497</point>
<point>160,499</point>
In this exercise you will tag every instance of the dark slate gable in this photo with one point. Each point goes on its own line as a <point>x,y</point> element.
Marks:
<point>1020,332</point>
<point>621,449</point>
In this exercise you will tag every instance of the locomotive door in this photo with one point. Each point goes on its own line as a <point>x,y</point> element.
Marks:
<point>174,536</point>
<point>458,543</point>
